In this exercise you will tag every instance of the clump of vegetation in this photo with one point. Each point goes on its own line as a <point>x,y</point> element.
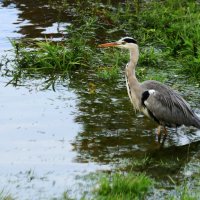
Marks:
<point>48,57</point>
<point>48,60</point>
<point>129,186</point>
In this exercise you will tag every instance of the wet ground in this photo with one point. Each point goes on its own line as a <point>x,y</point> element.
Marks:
<point>48,138</point>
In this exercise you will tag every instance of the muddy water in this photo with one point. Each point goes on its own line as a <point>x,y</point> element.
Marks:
<point>49,138</point>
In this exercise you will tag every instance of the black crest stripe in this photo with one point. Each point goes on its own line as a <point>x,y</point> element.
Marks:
<point>130,40</point>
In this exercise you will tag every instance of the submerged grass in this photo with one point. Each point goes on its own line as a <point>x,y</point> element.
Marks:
<point>5,196</point>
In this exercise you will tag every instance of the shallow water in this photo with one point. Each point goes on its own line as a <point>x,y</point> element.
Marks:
<point>49,138</point>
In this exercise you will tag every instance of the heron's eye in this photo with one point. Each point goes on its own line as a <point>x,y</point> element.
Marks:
<point>123,42</point>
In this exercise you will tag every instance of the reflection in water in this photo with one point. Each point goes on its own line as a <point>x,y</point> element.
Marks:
<point>112,131</point>
<point>38,19</point>
<point>109,122</point>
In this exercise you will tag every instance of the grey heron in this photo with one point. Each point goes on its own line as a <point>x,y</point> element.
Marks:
<point>156,100</point>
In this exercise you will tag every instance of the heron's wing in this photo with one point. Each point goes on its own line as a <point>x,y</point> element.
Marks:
<point>167,106</point>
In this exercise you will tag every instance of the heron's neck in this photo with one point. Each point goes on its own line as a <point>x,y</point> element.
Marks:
<point>133,86</point>
<point>130,69</point>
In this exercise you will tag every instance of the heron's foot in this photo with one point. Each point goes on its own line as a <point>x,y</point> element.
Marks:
<point>159,134</point>
<point>165,131</point>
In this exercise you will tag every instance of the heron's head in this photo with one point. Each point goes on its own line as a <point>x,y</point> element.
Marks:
<point>126,42</point>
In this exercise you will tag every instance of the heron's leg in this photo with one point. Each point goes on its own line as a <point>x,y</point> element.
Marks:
<point>164,134</point>
<point>159,130</point>
<point>165,131</point>
<point>158,133</point>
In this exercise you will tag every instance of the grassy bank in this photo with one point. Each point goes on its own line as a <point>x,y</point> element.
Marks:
<point>168,33</point>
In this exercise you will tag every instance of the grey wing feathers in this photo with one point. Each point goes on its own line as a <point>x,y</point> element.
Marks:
<point>168,107</point>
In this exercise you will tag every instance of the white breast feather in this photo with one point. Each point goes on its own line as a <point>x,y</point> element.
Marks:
<point>132,96</point>
<point>151,92</point>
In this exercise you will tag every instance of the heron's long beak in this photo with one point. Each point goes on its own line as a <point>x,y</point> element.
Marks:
<point>111,44</point>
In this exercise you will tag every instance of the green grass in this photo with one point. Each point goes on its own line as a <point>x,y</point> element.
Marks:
<point>134,185</point>
<point>48,57</point>
<point>47,60</point>
<point>174,29</point>
<point>128,186</point>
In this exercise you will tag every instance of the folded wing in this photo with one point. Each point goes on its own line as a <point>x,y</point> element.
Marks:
<point>167,106</point>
